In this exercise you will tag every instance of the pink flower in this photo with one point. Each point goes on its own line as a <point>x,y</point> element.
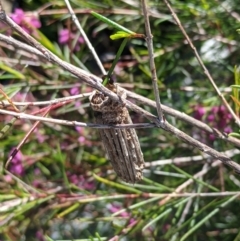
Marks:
<point>115,208</point>
<point>77,104</point>
<point>82,136</point>
<point>35,22</point>
<point>37,171</point>
<point>40,137</point>
<point>40,236</point>
<point>82,139</point>
<point>28,23</point>
<point>66,37</point>
<point>227,129</point>
<point>199,112</point>
<point>18,16</point>
<point>217,117</point>
<point>8,178</point>
<point>16,166</point>
<point>79,129</point>
<point>81,181</point>
<point>74,90</point>
<point>211,118</point>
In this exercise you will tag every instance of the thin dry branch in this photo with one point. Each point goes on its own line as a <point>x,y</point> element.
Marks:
<point>185,118</point>
<point>191,141</point>
<point>75,123</point>
<point>15,151</point>
<point>167,111</point>
<point>130,12</point>
<point>5,103</point>
<point>186,159</point>
<point>151,61</point>
<point>90,47</point>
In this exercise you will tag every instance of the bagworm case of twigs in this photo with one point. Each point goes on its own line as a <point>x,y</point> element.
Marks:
<point>121,145</point>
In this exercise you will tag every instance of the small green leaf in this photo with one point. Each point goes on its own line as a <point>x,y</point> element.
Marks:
<point>47,43</point>
<point>120,34</point>
<point>111,23</point>
<point>234,134</point>
<point>15,73</point>
<point>116,185</point>
<point>235,86</point>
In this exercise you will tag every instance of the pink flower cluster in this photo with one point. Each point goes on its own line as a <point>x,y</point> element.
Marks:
<point>81,181</point>
<point>116,207</point>
<point>16,166</point>
<point>28,23</point>
<point>217,117</point>
<point>66,37</point>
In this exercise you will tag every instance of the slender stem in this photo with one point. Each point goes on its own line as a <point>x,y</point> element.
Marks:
<point>75,123</point>
<point>120,50</point>
<point>9,125</point>
<point>5,103</point>
<point>152,63</point>
<point>15,151</point>
<point>185,118</point>
<point>9,100</point>
<point>166,109</point>
<point>91,48</point>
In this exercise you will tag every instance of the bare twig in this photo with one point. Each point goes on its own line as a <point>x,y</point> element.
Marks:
<point>75,123</point>
<point>180,160</point>
<point>231,13</point>
<point>202,147</point>
<point>167,110</point>
<point>152,63</point>
<point>15,151</point>
<point>91,48</point>
<point>186,118</point>
<point>206,72</point>
<point>186,138</point>
<point>5,103</point>
<point>20,45</point>
<point>15,202</point>
<point>9,100</point>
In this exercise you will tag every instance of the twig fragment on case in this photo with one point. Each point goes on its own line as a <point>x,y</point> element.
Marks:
<point>121,145</point>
